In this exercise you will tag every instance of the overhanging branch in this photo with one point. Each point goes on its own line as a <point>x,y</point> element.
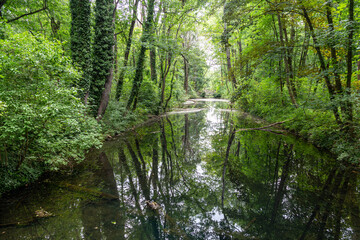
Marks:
<point>27,14</point>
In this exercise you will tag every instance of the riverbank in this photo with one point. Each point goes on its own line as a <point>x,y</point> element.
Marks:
<point>189,164</point>
<point>317,127</point>
<point>76,144</point>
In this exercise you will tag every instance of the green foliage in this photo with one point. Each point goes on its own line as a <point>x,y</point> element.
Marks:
<point>217,95</point>
<point>117,119</point>
<point>148,97</point>
<point>43,122</point>
<point>52,22</point>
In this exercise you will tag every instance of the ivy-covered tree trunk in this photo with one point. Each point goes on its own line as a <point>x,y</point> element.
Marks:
<point>145,38</point>
<point>103,54</point>
<point>153,65</point>
<point>80,42</point>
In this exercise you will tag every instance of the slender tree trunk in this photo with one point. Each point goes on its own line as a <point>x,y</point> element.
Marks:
<point>186,75</point>
<point>334,60</point>
<point>229,68</point>
<point>127,52</point>
<point>153,65</point>
<point>305,47</point>
<point>171,86</point>
<point>163,77</point>
<point>291,94</point>
<point>323,67</point>
<point>358,68</point>
<point>289,53</point>
<point>145,38</point>
<point>349,59</point>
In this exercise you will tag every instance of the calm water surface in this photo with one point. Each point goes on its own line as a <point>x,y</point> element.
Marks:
<point>209,181</point>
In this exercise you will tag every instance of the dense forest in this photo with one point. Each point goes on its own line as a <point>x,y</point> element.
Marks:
<point>74,72</point>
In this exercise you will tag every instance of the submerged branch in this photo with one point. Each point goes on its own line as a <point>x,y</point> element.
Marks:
<point>264,128</point>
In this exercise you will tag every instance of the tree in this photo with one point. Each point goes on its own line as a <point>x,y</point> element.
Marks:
<point>43,124</point>
<point>103,56</point>
<point>145,39</point>
<point>120,82</point>
<point>80,42</point>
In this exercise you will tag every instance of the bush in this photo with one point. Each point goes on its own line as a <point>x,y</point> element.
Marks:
<point>117,119</point>
<point>217,95</point>
<point>42,121</point>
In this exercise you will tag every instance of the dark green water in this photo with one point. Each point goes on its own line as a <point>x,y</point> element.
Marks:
<point>274,187</point>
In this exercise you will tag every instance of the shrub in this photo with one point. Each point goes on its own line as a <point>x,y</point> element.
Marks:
<point>42,121</point>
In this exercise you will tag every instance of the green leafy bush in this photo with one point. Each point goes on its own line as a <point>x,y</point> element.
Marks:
<point>117,119</point>
<point>41,118</point>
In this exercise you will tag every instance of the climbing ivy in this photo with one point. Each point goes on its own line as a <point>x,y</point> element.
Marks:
<point>102,50</point>
<point>81,41</point>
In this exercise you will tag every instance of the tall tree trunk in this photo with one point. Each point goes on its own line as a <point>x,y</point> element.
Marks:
<point>289,52</point>
<point>80,42</point>
<point>186,75</point>
<point>229,68</point>
<point>334,60</point>
<point>323,67</point>
<point>103,56</point>
<point>349,59</point>
<point>171,86</point>
<point>127,52</point>
<point>304,50</point>
<point>164,74</point>
<point>145,38</point>
<point>240,55</point>
<point>153,65</point>
<point>105,97</point>
<point>358,68</point>
<point>286,61</point>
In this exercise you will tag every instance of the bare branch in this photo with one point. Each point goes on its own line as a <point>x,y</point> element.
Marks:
<point>27,14</point>
<point>262,128</point>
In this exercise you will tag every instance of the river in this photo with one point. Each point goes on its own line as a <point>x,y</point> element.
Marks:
<point>193,174</point>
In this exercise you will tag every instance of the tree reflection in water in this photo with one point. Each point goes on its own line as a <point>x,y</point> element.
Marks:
<point>210,181</point>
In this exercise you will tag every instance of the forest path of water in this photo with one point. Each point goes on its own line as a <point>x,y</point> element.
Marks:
<point>207,181</point>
